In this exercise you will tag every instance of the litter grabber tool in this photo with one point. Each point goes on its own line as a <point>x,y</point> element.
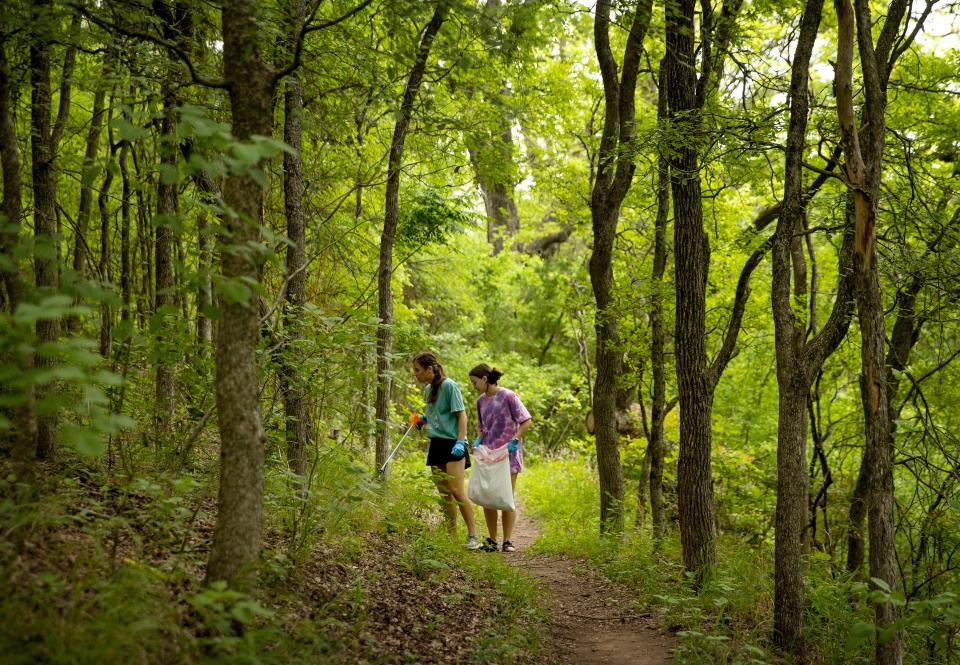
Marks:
<point>416,421</point>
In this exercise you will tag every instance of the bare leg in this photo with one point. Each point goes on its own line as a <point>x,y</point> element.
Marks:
<point>509,519</point>
<point>457,491</point>
<point>491,515</point>
<point>449,507</point>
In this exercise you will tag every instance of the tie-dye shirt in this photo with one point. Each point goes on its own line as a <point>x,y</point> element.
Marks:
<point>500,417</point>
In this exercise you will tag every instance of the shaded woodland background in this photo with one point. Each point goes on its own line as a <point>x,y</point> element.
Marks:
<point>724,236</point>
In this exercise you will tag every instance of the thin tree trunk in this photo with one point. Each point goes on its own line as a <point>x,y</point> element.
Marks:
<point>293,387</point>
<point>44,215</point>
<point>204,287</point>
<point>86,187</point>
<point>106,313</point>
<point>391,216</point>
<point>143,248</point>
<point>210,193</point>
<point>126,288</point>
<point>863,149</point>
<point>792,374</point>
<point>615,169</point>
<point>175,19</point>
<point>25,435</point>
<point>658,336</point>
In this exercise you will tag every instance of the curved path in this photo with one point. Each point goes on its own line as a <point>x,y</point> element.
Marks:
<point>594,621</point>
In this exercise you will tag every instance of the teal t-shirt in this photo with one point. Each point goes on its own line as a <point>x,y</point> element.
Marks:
<point>442,414</point>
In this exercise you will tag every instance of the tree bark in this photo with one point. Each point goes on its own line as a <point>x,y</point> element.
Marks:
<point>692,258</point>
<point>390,219</point>
<point>293,387</point>
<point>126,284</point>
<point>615,169</point>
<point>236,539</point>
<point>106,314</point>
<point>210,193</point>
<point>25,434</point>
<point>906,330</point>
<point>46,263</point>
<point>86,189</point>
<point>793,375</point>
<point>696,381</point>
<point>863,149</point>
<point>656,445</point>
<point>175,20</point>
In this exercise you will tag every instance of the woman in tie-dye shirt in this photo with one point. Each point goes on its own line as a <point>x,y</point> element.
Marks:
<point>503,420</point>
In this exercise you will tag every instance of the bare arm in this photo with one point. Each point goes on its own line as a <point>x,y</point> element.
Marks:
<point>461,425</point>
<point>522,429</point>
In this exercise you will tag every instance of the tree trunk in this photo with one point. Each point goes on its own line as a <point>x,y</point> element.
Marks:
<point>294,390</point>
<point>44,215</point>
<point>692,259</point>
<point>503,220</point>
<point>210,193</point>
<point>696,381</point>
<point>615,169</point>
<point>106,313</point>
<point>86,187</point>
<point>658,336</point>
<point>236,539</point>
<point>793,376</point>
<point>126,284</point>
<point>906,330</point>
<point>25,434</point>
<point>175,20</point>
<point>390,219</point>
<point>204,286</point>
<point>863,149</point>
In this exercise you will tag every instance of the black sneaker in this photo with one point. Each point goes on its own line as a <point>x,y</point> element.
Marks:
<point>508,546</point>
<point>489,545</point>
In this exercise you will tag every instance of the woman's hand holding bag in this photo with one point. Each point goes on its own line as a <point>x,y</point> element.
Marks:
<point>490,485</point>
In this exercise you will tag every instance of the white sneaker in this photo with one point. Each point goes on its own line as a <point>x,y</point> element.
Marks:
<point>473,543</point>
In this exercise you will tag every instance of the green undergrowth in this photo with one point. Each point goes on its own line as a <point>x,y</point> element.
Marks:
<point>99,568</point>
<point>730,620</point>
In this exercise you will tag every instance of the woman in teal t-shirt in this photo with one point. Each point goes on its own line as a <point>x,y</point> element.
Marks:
<point>446,419</point>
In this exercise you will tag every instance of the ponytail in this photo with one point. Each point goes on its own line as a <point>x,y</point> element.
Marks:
<point>425,360</point>
<point>484,371</point>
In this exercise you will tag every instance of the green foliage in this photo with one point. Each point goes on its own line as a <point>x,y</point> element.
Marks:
<point>430,218</point>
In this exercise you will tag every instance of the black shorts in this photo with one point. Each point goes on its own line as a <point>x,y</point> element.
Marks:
<point>439,453</point>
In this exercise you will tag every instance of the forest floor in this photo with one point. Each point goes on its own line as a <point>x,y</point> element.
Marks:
<point>593,620</point>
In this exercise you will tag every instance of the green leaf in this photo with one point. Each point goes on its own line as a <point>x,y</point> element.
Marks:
<point>48,309</point>
<point>210,312</point>
<point>169,175</point>
<point>84,440</point>
<point>90,175</point>
<point>128,131</point>
<point>861,632</point>
<point>234,292</point>
<point>881,584</point>
<point>245,155</point>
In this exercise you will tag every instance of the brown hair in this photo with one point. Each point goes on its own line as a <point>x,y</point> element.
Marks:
<point>484,371</point>
<point>425,360</point>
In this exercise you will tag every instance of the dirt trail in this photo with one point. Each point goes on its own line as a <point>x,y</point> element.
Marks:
<point>594,621</point>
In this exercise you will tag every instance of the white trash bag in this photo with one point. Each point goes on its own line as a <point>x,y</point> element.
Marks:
<point>489,484</point>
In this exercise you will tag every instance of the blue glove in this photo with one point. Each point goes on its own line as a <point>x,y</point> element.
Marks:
<point>477,442</point>
<point>513,445</point>
<point>421,421</point>
<point>459,449</point>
